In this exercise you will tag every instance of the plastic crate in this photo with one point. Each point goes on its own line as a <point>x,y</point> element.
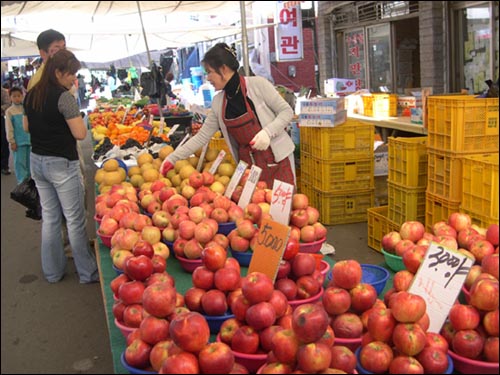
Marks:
<point>408,161</point>
<point>306,188</point>
<point>332,176</point>
<point>380,105</point>
<point>438,209</point>
<point>478,219</point>
<point>480,184</point>
<point>378,226</point>
<point>405,203</point>
<point>462,123</point>
<point>352,139</point>
<point>306,167</point>
<point>220,144</point>
<point>343,208</point>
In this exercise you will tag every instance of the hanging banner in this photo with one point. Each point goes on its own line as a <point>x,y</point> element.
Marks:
<point>288,32</point>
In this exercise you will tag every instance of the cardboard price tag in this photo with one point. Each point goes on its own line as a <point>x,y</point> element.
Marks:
<point>281,202</point>
<point>217,161</point>
<point>249,187</point>
<point>173,129</point>
<point>269,249</point>
<point>439,280</point>
<point>202,157</point>
<point>238,174</point>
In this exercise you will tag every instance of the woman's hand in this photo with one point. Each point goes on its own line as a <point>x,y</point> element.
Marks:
<point>261,141</point>
<point>165,167</point>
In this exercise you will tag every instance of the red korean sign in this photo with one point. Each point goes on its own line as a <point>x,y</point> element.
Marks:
<point>288,32</point>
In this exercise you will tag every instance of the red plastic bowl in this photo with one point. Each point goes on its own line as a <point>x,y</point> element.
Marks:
<point>189,265</point>
<point>251,361</point>
<point>471,366</point>
<point>352,344</point>
<point>105,239</point>
<point>297,302</point>
<point>466,293</point>
<point>98,219</point>
<point>125,330</point>
<point>311,247</point>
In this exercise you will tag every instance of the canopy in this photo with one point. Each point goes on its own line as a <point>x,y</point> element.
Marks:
<point>101,31</point>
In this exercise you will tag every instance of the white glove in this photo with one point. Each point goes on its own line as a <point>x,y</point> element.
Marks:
<point>261,141</point>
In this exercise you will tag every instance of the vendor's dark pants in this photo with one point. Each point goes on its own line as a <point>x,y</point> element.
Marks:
<point>5,147</point>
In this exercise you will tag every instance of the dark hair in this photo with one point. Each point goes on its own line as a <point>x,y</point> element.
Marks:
<point>169,76</point>
<point>63,61</point>
<point>47,37</point>
<point>221,54</point>
<point>15,89</point>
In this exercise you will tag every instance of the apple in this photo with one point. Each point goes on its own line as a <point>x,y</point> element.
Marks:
<point>260,315</point>
<point>192,299</point>
<point>108,226</point>
<point>153,329</point>
<point>288,287</point>
<point>159,264</point>
<point>445,230</point>
<point>492,234</point>
<point>402,280</point>
<point>151,234</point>
<point>257,287</point>
<point>228,329</point>
<point>309,321</point>
<point>412,230</point>
<point>117,281</point>
<point>403,246</point>
<point>407,307</point>
<point>481,248</point>
<point>142,247</point>
<point>160,219</point>
<point>303,264</point>
<point>347,325</point>
<point>390,240</point>
<point>162,350</point>
<point>484,294</point>
<point>190,331</point>
<point>132,315</point>
<point>363,296</point>
<point>313,357</point>
<point>409,338</point>
<point>159,299</point>
<point>464,317</point>
<point>347,273</point>
<point>187,229</point>
<point>490,349</point>
<point>117,310</point>
<point>300,201</point>
<point>214,257</point>
<point>320,230</point>
<point>413,258</point>
<point>180,363</point>
<point>169,234</point>
<point>284,270</point>
<point>336,301</point>
<point>138,267</point>
<point>490,264</point>
<point>227,279</point>
<point>403,364</point>
<point>467,343</point>
<point>308,234</point>
<point>381,324</point>
<point>193,249</point>
<point>266,336</point>
<point>239,307</point>
<point>216,358</point>
<point>474,272</point>
<point>196,179</point>
<point>459,221</point>
<point>245,340</point>
<point>285,345</point>
<point>490,322</point>
<point>376,357</point>
<point>161,250</point>
<point>131,292</point>
<point>203,278</point>
<point>343,359</point>
<point>433,359</point>
<point>137,354</point>
<point>299,218</point>
<point>214,303</point>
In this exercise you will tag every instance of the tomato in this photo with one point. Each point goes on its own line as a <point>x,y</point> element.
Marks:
<point>292,249</point>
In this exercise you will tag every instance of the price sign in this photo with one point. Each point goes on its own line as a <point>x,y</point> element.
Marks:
<point>439,280</point>
<point>281,202</point>
<point>172,131</point>
<point>125,115</point>
<point>217,161</point>
<point>249,187</point>
<point>269,249</point>
<point>237,175</point>
<point>184,140</point>
<point>202,157</point>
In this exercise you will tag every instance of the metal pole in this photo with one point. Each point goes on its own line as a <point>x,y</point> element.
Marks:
<point>143,31</point>
<point>244,38</point>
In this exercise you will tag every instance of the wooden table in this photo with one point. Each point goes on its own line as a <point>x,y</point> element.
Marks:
<point>391,125</point>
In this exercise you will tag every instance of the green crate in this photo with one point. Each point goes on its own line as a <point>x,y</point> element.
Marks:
<point>405,203</point>
<point>344,207</point>
<point>408,161</point>
<point>378,226</point>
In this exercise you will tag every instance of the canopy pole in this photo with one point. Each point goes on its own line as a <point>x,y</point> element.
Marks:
<point>244,38</point>
<point>143,31</point>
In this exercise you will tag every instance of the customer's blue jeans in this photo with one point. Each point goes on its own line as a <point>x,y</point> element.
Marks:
<point>60,185</point>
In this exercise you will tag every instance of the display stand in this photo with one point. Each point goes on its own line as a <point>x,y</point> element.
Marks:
<point>394,123</point>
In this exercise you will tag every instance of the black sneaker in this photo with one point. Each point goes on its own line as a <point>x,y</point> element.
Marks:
<point>5,171</point>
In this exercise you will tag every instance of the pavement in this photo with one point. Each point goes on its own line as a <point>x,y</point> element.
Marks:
<point>61,328</point>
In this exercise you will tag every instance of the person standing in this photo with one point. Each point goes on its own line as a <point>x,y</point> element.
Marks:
<point>252,116</point>
<point>53,120</point>
<point>5,153</point>
<point>168,89</point>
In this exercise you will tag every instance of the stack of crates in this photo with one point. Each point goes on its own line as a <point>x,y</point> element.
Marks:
<point>337,170</point>
<point>461,128</point>
<point>406,184</point>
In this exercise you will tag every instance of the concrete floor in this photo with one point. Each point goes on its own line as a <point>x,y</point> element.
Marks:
<point>61,328</point>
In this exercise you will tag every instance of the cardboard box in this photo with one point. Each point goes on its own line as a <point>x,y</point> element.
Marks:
<point>339,86</point>
<point>322,106</point>
<point>318,120</point>
<point>416,116</point>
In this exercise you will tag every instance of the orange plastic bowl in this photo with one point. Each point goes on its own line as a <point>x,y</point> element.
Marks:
<point>189,265</point>
<point>297,302</point>
<point>311,247</point>
<point>471,366</point>
<point>125,330</point>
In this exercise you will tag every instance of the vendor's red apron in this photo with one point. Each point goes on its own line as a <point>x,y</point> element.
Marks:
<point>243,129</point>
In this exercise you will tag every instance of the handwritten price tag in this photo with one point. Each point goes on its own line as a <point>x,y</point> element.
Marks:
<point>281,202</point>
<point>439,280</point>
<point>202,157</point>
<point>237,175</point>
<point>249,187</point>
<point>268,251</point>
<point>217,161</point>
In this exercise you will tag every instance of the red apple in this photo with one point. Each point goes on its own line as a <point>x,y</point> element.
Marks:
<point>309,321</point>
<point>285,345</point>
<point>216,358</point>
<point>159,299</point>
<point>390,240</point>
<point>300,201</point>
<point>162,350</point>
<point>481,248</point>
<point>403,364</point>
<point>347,273</point>
<point>153,329</point>
<point>192,299</point>
<point>142,247</point>
<point>403,246</point>
<point>190,331</point>
<point>343,359</point>
<point>287,287</point>
<point>490,350</point>
<point>313,357</point>
<point>468,343</point>
<point>299,218</point>
<point>132,315</point>
<point>347,325</point>
<point>138,267</point>
<point>117,281</point>
<point>227,279</point>
<point>363,296</point>
<point>131,292</point>
<point>407,307</point>
<point>336,301</point>
<point>464,317</point>
<point>257,287</point>
<point>307,287</point>
<point>402,280</point>
<point>228,329</point>
<point>492,234</point>
<point>490,322</point>
<point>137,354</point>
<point>180,363</point>
<point>490,264</point>
<point>376,357</point>
<point>412,230</point>
<point>245,340</point>
<point>203,278</point>
<point>260,315</point>
<point>380,324</point>
<point>433,360</point>
<point>409,338</point>
<point>484,294</point>
<point>266,337</point>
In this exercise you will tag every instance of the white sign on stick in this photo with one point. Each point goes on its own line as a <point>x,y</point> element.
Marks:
<point>281,202</point>
<point>202,157</point>
<point>237,175</point>
<point>439,281</point>
<point>249,187</point>
<point>217,161</point>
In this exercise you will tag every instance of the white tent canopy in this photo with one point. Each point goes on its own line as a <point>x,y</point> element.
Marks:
<point>98,31</point>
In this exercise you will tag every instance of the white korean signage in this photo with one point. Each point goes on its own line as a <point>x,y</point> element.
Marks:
<point>288,32</point>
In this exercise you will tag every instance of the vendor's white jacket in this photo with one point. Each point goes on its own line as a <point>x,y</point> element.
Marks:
<point>273,112</point>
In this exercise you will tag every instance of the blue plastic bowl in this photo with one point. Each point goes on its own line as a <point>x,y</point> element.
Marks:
<point>168,243</point>
<point>133,370</point>
<point>117,270</point>
<point>243,258</point>
<point>226,228</point>
<point>121,163</point>
<point>376,276</point>
<point>215,321</point>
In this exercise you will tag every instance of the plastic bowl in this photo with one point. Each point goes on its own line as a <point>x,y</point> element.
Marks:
<point>324,267</point>
<point>243,257</point>
<point>168,243</point>
<point>395,262</point>
<point>133,370</point>
<point>125,330</point>
<point>466,294</point>
<point>251,361</point>
<point>105,239</point>
<point>117,270</point>
<point>311,247</point>
<point>226,228</point>
<point>121,163</point>
<point>471,366</point>
<point>98,219</point>
<point>352,343</point>
<point>297,302</point>
<point>189,265</point>
<point>215,321</point>
<point>376,276</point>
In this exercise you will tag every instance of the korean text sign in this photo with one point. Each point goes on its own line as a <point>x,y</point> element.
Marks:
<point>288,32</point>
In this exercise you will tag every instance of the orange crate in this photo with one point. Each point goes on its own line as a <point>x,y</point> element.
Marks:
<point>405,203</point>
<point>408,161</point>
<point>438,209</point>
<point>462,123</point>
<point>343,208</point>
<point>378,226</point>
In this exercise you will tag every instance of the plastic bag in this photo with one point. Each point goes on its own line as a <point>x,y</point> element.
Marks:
<point>26,193</point>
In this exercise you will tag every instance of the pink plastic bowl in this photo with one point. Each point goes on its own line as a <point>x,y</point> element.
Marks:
<point>125,330</point>
<point>105,239</point>
<point>324,267</point>
<point>352,344</point>
<point>471,366</point>
<point>189,265</point>
<point>311,247</point>
<point>251,361</point>
<point>98,219</point>
<point>466,293</point>
<point>313,299</point>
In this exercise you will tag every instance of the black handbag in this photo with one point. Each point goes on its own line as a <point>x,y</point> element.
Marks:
<point>26,193</point>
